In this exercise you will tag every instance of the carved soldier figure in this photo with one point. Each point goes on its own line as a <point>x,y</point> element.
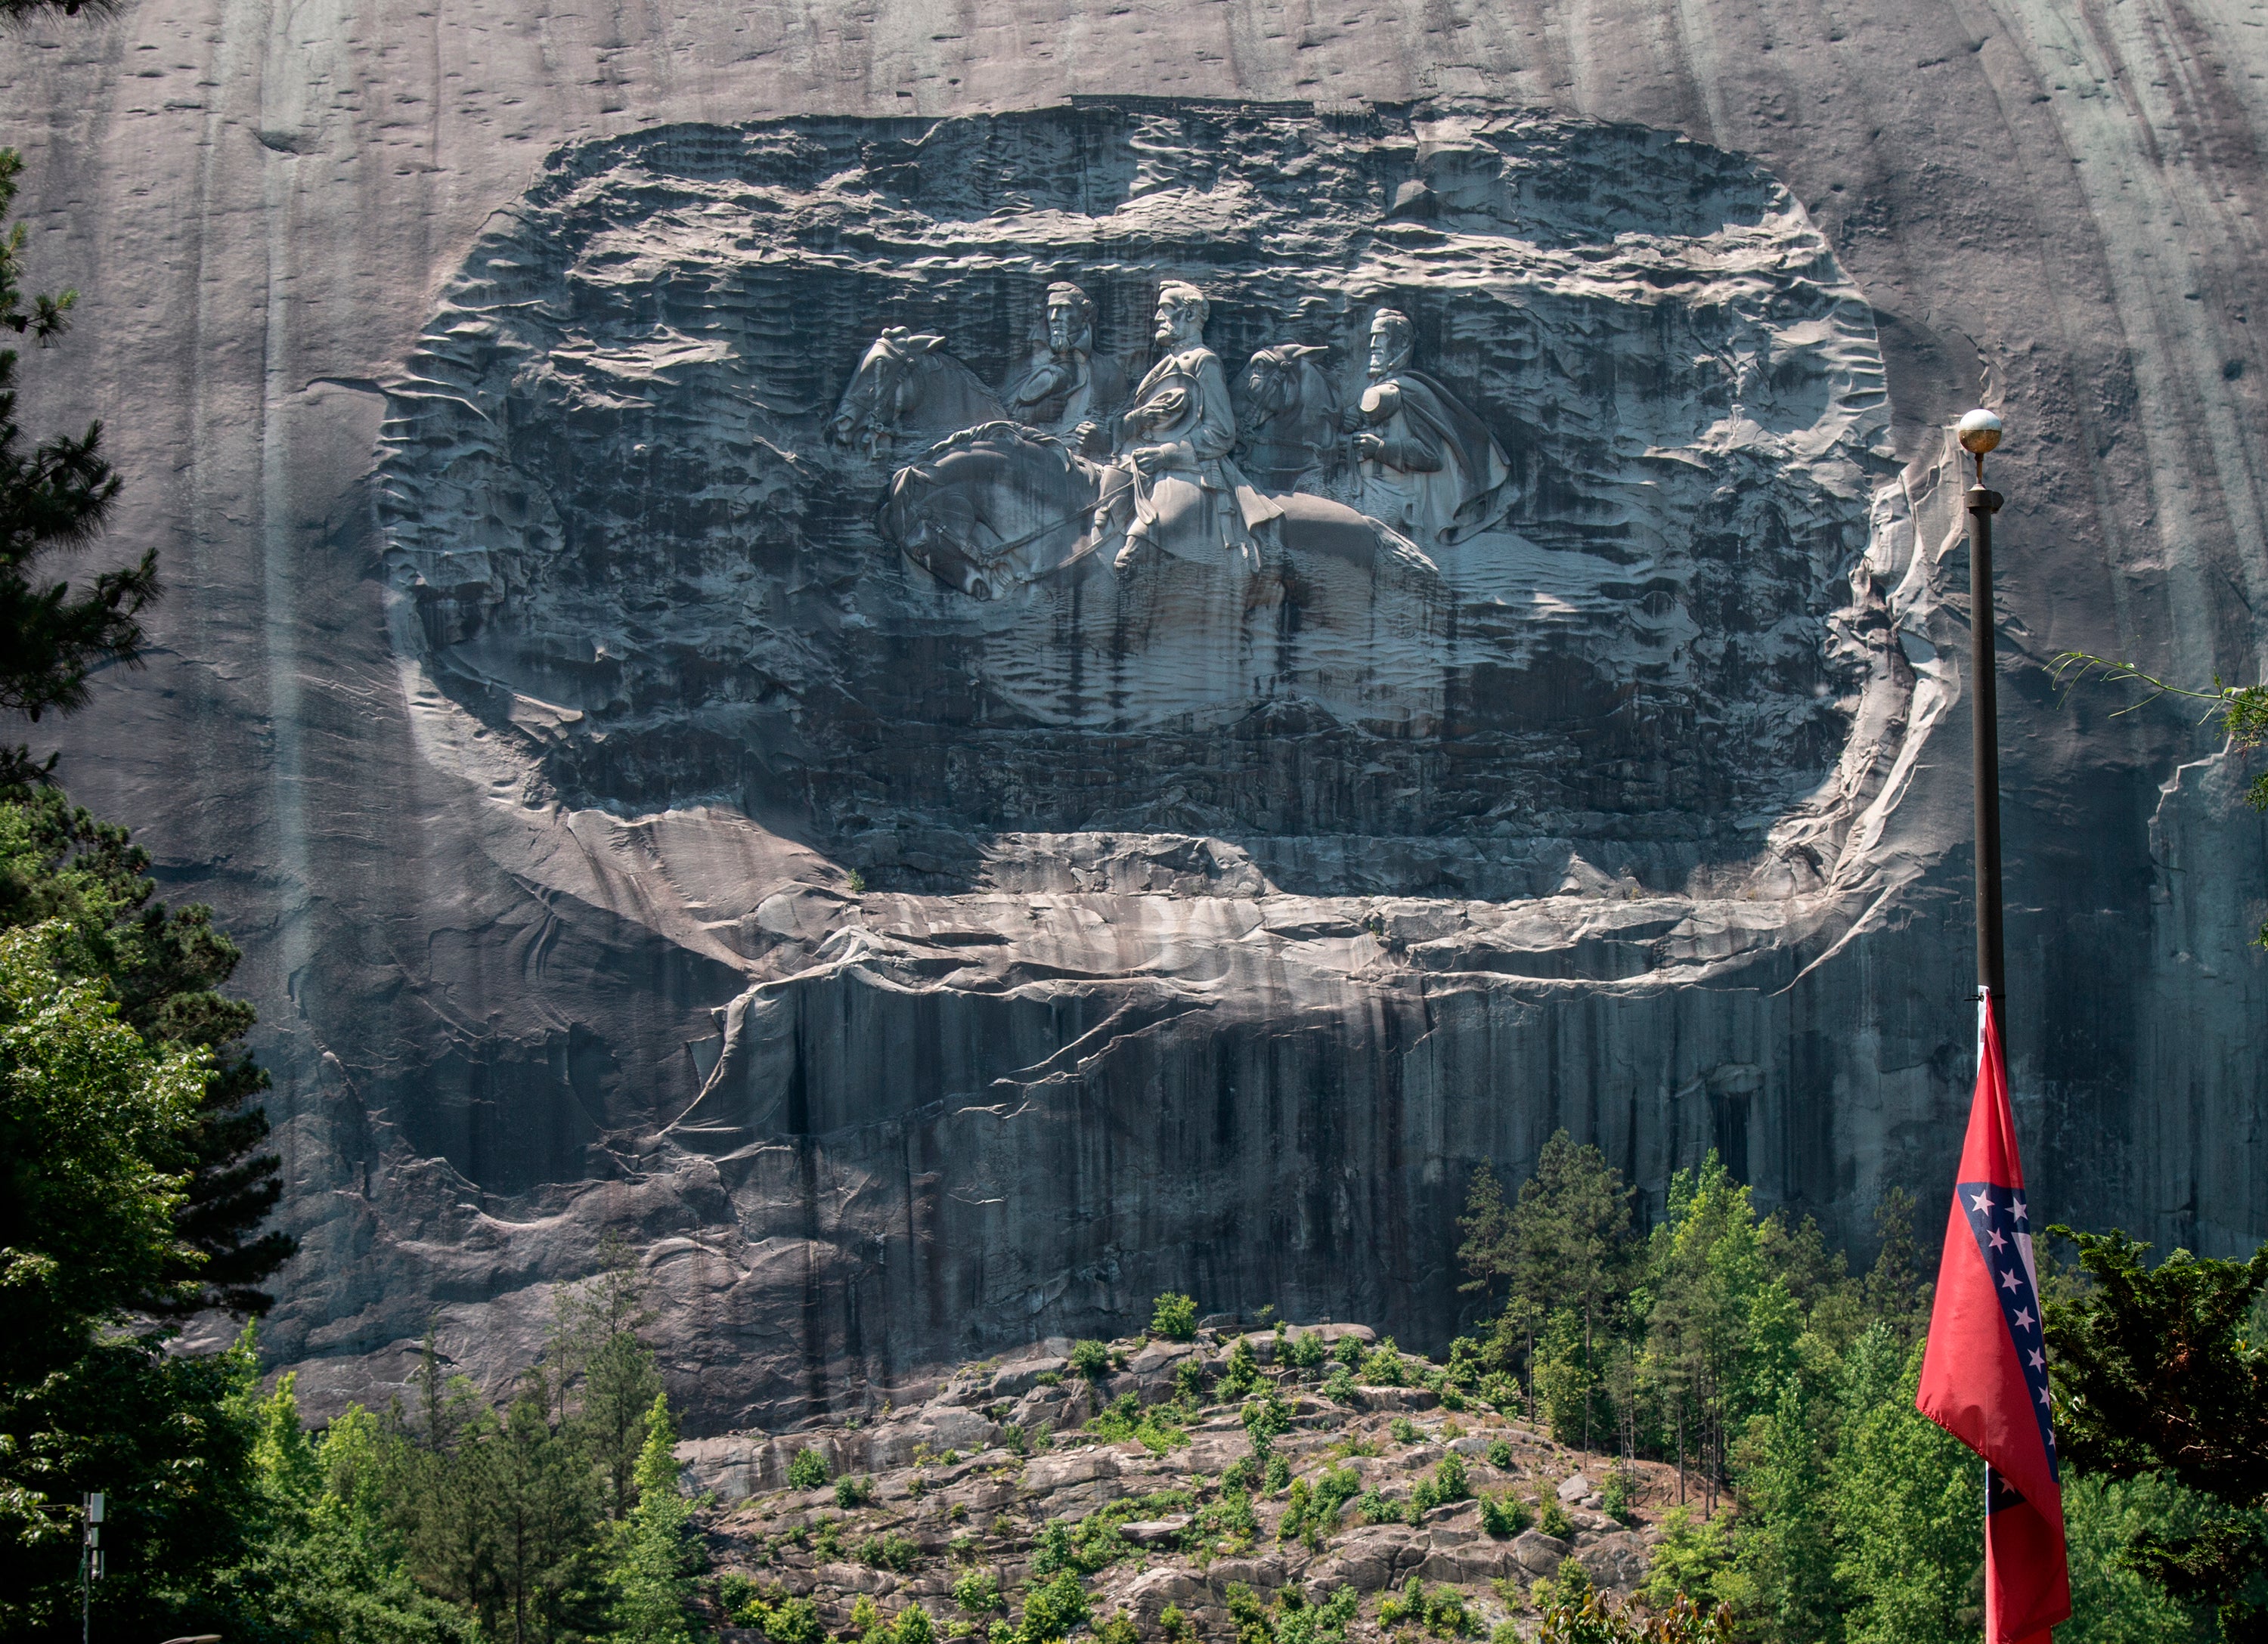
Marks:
<point>1173,485</point>
<point>1426,464</point>
<point>1070,389</point>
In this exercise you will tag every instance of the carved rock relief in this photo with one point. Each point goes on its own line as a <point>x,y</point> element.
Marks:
<point>1290,479</point>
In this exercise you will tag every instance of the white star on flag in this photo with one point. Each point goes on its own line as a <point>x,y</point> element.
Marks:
<point>1983,1201</point>
<point>2024,1319</point>
<point>2007,1279</point>
<point>1998,1242</point>
<point>2038,1361</point>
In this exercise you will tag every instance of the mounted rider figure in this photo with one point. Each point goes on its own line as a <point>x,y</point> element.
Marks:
<point>1173,486</point>
<point>1067,389</point>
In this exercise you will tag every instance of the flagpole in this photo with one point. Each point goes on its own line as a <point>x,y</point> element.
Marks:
<point>1980,432</point>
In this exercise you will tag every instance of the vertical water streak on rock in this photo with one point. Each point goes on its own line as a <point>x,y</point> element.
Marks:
<point>280,558</point>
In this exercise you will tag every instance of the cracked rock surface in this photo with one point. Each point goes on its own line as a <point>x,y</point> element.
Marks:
<point>953,1486</point>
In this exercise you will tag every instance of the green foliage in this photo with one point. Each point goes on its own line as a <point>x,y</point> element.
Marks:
<point>1304,1350</point>
<point>1229,1520</point>
<point>2163,1370</point>
<point>1499,1455</point>
<point>1175,1624</point>
<point>1340,1385</point>
<point>653,1556</point>
<point>889,1551</point>
<point>1504,1514</point>
<point>165,968</point>
<point>1404,1431</point>
<point>977,1592</point>
<point>1579,1614</point>
<point>1173,1317</point>
<point>2112,1601</point>
<point>1190,1382</point>
<point>1906,1502</point>
<point>850,1494</point>
<point>1552,1519</point>
<point>1117,1629</point>
<point>1241,1373</point>
<point>1448,1483</point>
<point>53,498</point>
<point>783,1618</point>
<point>1375,1506</point>
<point>1052,1609</point>
<point>1384,1367</point>
<point>1348,1353</point>
<point>1315,1505</point>
<point>1440,1612</point>
<point>1126,1418</point>
<point>1090,1359</point>
<point>807,1471</point>
<point>1265,1418</point>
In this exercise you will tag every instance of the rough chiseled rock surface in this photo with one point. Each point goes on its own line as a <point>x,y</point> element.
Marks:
<point>1659,833</point>
<point>954,1485</point>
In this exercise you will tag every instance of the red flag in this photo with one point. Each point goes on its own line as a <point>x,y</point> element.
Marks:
<point>1984,1376</point>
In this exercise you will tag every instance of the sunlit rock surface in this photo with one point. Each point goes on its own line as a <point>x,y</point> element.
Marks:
<point>1658,832</point>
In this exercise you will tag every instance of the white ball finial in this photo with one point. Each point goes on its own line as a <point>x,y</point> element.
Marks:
<point>1979,432</point>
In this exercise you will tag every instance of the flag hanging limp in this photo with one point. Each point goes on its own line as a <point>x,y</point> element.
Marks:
<point>1984,1376</point>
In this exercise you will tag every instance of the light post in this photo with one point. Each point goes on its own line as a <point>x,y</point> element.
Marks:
<point>90,1561</point>
<point>1980,432</point>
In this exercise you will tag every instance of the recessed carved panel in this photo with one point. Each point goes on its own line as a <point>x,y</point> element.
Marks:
<point>1327,485</point>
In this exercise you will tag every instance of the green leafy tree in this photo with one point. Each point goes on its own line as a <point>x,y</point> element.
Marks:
<point>166,968</point>
<point>2160,1370</point>
<point>1909,1501</point>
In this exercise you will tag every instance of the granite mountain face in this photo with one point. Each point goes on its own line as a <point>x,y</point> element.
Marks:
<point>744,748</point>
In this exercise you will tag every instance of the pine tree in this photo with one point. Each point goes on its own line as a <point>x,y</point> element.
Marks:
<point>53,498</point>
<point>654,1555</point>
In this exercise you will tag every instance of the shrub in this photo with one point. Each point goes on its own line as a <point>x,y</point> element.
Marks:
<point>849,1492</point>
<point>1384,1367</point>
<point>1242,1374</point>
<point>1189,1381</point>
<point>865,1619</point>
<point>1265,1419</point>
<point>1279,1474</point>
<point>1125,1419</point>
<point>1553,1520</point>
<point>962,1549</point>
<point>890,1552</point>
<point>1499,1455</point>
<point>1340,1385</point>
<point>1442,1611</point>
<point>1173,1317</point>
<point>1299,1622</point>
<point>807,1470</point>
<point>1175,1624</point>
<point>827,1545</point>
<point>913,1626</point>
<point>783,1620</point>
<point>1049,1378</point>
<point>1349,1352</point>
<point>978,1591</point>
<point>1305,1351</point>
<point>1118,1629</point>
<point>1505,1515</point>
<point>1616,1503</point>
<point>1091,1359</point>
<point>1053,1608</point>
<point>1243,1474</point>
<point>1448,1484</point>
<point>1012,1437</point>
<point>1404,1430</point>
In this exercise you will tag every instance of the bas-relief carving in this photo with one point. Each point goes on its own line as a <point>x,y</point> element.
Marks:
<point>1094,469</point>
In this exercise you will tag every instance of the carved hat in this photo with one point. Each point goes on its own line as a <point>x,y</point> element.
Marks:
<point>1181,294</point>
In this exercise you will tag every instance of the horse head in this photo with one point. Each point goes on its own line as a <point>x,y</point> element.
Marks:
<point>1279,382</point>
<point>880,393</point>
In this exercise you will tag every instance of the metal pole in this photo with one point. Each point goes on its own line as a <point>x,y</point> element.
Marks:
<point>1980,432</point>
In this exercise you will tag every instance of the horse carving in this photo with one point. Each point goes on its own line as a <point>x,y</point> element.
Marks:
<point>909,392</point>
<point>1289,420</point>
